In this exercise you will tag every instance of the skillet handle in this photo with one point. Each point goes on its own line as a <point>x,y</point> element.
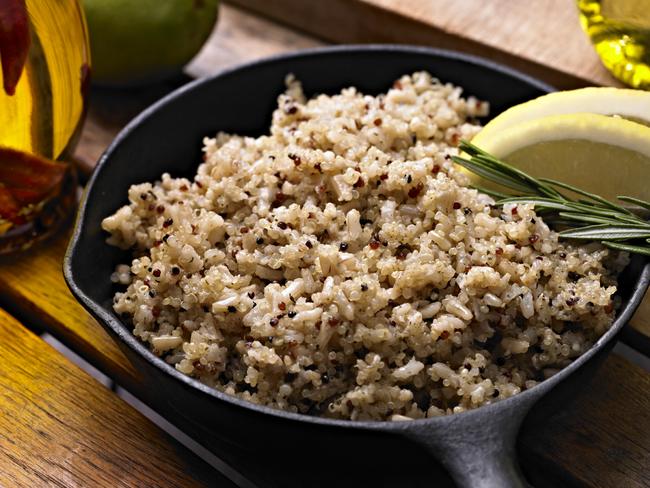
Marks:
<point>484,467</point>
<point>477,447</point>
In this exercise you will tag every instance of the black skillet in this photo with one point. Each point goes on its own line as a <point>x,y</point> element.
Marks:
<point>477,448</point>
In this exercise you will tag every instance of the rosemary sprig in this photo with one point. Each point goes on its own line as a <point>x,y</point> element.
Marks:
<point>591,217</point>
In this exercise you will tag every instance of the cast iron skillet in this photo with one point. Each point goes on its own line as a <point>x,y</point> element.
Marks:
<point>477,447</point>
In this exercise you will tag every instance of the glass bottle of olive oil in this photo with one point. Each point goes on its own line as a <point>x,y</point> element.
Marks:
<point>44,55</point>
<point>620,32</point>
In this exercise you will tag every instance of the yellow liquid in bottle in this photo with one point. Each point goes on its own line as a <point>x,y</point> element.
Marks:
<point>44,115</point>
<point>620,32</point>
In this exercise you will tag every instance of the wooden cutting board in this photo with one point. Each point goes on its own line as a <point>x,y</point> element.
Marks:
<point>540,37</point>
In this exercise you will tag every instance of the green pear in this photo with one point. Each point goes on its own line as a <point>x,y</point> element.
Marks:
<point>141,41</point>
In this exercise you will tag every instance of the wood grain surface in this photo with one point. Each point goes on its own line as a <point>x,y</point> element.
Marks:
<point>601,439</point>
<point>541,38</point>
<point>32,288</point>
<point>60,428</point>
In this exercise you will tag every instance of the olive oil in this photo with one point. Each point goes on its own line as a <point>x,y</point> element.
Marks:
<point>620,32</point>
<point>46,65</point>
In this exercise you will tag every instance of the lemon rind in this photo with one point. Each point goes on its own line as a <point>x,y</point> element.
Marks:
<point>596,100</point>
<point>584,126</point>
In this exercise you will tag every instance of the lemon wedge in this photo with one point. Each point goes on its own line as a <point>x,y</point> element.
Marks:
<point>626,103</point>
<point>605,155</point>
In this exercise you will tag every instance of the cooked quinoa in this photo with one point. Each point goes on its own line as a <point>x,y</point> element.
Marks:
<point>342,267</point>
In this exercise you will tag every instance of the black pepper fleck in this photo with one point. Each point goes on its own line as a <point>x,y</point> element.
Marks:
<point>402,251</point>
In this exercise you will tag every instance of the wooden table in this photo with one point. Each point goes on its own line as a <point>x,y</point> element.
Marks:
<point>59,427</point>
